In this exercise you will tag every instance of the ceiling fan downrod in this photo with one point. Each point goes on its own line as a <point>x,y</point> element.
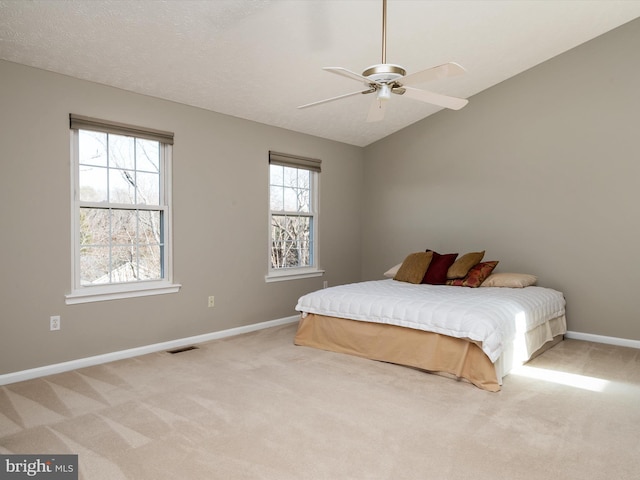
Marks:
<point>384,31</point>
<point>384,72</point>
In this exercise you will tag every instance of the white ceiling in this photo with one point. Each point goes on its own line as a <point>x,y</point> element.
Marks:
<point>259,59</point>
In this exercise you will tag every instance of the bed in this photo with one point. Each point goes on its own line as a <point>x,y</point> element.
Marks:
<point>472,334</point>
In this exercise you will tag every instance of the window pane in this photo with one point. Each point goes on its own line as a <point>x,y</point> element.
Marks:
<point>148,188</point>
<point>150,262</point>
<point>124,227</point>
<point>93,184</point>
<point>94,265</point>
<point>290,246</point>
<point>121,152</point>
<point>124,264</point>
<point>122,186</point>
<point>303,200</point>
<point>150,227</point>
<point>276,174</point>
<point>92,148</point>
<point>277,199</point>
<point>147,155</point>
<point>290,200</point>
<point>304,177</point>
<point>290,177</point>
<point>94,226</point>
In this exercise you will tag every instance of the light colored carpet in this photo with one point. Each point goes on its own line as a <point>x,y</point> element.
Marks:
<point>257,407</point>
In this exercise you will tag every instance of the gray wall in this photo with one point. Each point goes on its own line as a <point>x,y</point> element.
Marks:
<point>220,200</point>
<point>541,170</point>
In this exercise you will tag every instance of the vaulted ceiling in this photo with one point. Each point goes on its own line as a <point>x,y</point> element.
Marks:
<point>260,59</point>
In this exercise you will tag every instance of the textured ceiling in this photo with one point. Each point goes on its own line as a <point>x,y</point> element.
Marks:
<point>259,59</point>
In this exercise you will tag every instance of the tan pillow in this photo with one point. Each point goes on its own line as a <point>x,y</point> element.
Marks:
<point>511,280</point>
<point>414,267</point>
<point>392,271</point>
<point>462,265</point>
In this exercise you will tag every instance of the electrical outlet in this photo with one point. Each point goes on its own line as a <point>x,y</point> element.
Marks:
<point>54,322</point>
<point>211,301</point>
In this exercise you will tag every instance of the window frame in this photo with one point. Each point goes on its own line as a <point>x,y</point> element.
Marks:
<point>112,291</point>
<point>313,166</point>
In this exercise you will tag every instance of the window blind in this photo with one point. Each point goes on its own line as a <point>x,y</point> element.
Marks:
<point>77,122</point>
<point>296,161</point>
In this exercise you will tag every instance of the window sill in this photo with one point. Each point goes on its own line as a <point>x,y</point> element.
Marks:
<point>99,294</point>
<point>289,274</point>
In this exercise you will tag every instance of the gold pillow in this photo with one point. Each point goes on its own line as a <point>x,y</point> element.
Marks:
<point>462,265</point>
<point>414,267</point>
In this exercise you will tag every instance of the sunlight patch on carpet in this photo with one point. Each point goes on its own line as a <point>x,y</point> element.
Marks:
<point>563,378</point>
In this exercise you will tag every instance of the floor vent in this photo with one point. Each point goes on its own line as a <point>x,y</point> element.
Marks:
<point>183,349</point>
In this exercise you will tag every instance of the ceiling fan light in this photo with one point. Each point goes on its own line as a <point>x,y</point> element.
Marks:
<point>384,92</point>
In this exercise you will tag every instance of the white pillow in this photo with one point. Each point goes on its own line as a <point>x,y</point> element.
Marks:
<point>511,280</point>
<point>392,271</point>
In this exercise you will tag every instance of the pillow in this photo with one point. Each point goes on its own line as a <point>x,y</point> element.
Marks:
<point>477,274</point>
<point>414,267</point>
<point>511,280</point>
<point>437,271</point>
<point>461,266</point>
<point>392,271</point>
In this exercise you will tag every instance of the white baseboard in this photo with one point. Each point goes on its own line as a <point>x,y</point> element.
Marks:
<point>134,352</point>
<point>588,337</point>
<point>20,376</point>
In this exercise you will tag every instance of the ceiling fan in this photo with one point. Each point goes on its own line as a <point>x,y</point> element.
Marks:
<point>385,78</point>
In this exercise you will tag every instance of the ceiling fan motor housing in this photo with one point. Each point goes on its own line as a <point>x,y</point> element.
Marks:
<point>384,73</point>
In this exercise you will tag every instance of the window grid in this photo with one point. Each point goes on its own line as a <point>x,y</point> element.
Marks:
<point>292,218</point>
<point>124,239</point>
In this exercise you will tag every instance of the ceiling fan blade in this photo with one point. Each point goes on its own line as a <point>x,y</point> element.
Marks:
<point>349,74</point>
<point>377,109</point>
<point>445,70</point>
<point>327,100</point>
<point>453,103</point>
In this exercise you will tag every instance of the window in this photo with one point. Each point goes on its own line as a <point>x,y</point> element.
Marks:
<point>121,210</point>
<point>293,217</point>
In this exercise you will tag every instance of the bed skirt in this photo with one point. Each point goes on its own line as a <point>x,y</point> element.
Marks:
<point>433,352</point>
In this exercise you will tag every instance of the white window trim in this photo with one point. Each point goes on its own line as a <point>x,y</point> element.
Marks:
<point>118,291</point>
<point>282,274</point>
<point>296,273</point>
<point>97,293</point>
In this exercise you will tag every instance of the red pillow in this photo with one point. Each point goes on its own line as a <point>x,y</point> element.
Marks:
<point>476,275</point>
<point>437,271</point>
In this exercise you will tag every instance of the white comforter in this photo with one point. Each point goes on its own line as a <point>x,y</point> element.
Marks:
<point>491,316</point>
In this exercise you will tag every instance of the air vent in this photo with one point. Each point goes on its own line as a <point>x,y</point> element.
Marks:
<point>183,349</point>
